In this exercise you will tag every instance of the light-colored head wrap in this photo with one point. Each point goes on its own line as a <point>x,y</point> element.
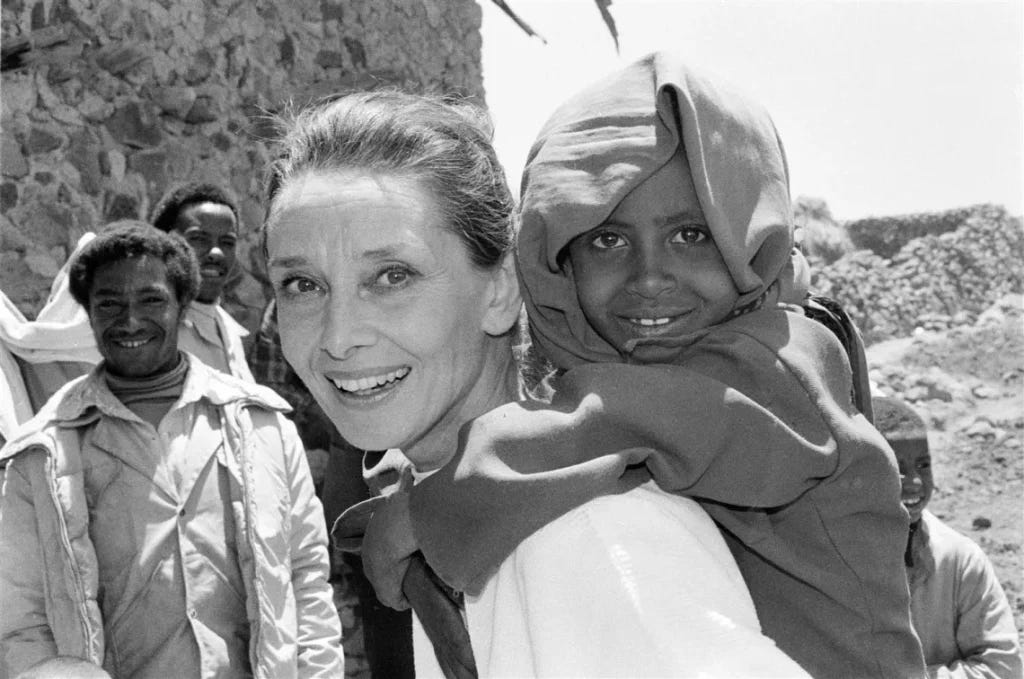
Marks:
<point>613,135</point>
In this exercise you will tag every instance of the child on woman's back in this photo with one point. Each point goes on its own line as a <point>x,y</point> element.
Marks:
<point>656,261</point>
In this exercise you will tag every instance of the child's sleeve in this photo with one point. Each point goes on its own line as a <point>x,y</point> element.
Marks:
<point>746,419</point>
<point>985,633</point>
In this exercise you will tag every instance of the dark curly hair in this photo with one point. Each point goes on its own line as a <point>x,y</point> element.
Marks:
<point>443,142</point>
<point>895,419</point>
<point>166,211</point>
<point>132,238</point>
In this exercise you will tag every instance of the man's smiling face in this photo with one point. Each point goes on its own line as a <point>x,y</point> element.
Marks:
<point>134,312</point>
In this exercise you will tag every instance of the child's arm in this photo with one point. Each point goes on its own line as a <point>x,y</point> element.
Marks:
<point>742,421</point>
<point>985,632</point>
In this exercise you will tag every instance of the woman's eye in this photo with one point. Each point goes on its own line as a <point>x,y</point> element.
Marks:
<point>392,277</point>
<point>298,286</point>
<point>607,240</point>
<point>690,235</point>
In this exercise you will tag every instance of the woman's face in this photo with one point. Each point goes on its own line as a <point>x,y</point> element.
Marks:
<point>381,312</point>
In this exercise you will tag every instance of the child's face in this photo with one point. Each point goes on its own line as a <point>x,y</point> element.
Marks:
<point>915,465</point>
<point>651,270</point>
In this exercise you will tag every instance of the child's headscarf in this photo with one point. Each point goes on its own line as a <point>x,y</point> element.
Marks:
<point>609,138</point>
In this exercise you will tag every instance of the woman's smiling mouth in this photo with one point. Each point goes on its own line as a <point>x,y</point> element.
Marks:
<point>371,384</point>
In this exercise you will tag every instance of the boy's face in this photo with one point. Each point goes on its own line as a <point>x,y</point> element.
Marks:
<point>652,271</point>
<point>212,233</point>
<point>915,464</point>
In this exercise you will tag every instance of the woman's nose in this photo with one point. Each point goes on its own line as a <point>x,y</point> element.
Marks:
<point>348,325</point>
<point>650,275</point>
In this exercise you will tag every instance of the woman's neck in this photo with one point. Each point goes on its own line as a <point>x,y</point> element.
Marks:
<point>497,384</point>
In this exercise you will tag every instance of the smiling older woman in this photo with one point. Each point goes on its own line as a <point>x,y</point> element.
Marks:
<point>388,237</point>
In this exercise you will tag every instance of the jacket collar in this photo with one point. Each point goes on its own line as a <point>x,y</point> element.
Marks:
<point>85,399</point>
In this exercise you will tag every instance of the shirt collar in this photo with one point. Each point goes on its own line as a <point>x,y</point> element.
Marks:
<point>93,396</point>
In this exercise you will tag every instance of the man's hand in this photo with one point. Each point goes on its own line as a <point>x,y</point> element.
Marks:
<point>387,547</point>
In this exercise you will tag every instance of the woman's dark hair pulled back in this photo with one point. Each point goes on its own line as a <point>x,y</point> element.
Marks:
<point>441,142</point>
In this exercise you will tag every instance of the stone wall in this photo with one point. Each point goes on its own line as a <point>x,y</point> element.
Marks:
<point>107,102</point>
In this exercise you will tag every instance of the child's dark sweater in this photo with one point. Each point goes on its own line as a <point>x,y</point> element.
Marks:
<point>755,421</point>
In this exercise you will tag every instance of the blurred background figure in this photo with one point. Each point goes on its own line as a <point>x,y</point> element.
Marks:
<point>958,607</point>
<point>206,215</point>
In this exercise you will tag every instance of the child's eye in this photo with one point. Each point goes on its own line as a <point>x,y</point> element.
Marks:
<point>690,235</point>
<point>606,240</point>
<point>295,286</point>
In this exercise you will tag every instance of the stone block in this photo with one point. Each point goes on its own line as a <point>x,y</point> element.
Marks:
<point>20,94</point>
<point>204,110</point>
<point>201,67</point>
<point>221,141</point>
<point>120,205</point>
<point>94,107</point>
<point>330,59</point>
<point>175,101</point>
<point>84,153</point>
<point>180,161</point>
<point>46,223</point>
<point>152,165</point>
<point>42,140</point>
<point>12,160</point>
<point>119,58</point>
<point>68,115</point>
<point>42,264</point>
<point>113,164</point>
<point>8,195</point>
<point>136,126</point>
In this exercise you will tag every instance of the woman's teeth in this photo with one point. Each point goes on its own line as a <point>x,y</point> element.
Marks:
<point>368,383</point>
<point>650,321</point>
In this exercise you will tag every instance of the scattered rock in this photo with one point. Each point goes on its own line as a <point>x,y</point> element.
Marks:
<point>985,391</point>
<point>119,58</point>
<point>12,160</point>
<point>981,429</point>
<point>175,101</point>
<point>42,264</point>
<point>42,140</point>
<point>204,110</point>
<point>8,195</point>
<point>135,126</point>
<point>981,523</point>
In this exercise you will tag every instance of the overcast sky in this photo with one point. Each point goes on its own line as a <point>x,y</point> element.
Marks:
<point>885,107</point>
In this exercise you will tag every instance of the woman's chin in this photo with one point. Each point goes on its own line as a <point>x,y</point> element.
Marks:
<point>362,434</point>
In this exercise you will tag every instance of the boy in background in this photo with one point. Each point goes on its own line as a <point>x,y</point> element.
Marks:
<point>958,607</point>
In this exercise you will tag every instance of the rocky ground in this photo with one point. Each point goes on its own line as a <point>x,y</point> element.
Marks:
<point>968,382</point>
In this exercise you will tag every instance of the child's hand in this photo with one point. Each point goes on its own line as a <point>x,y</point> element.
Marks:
<point>387,547</point>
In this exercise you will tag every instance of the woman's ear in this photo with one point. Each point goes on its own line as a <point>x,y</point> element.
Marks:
<point>503,299</point>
